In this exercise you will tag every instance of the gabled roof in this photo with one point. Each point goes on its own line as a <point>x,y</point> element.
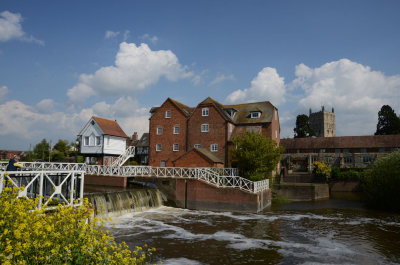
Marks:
<point>108,127</point>
<point>369,141</point>
<point>204,153</point>
<point>241,130</point>
<point>186,110</point>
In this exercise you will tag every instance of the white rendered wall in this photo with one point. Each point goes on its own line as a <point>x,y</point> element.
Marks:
<point>114,145</point>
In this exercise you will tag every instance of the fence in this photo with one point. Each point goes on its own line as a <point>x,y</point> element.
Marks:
<point>221,177</point>
<point>55,185</point>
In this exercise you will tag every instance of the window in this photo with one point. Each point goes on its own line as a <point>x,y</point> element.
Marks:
<point>276,133</point>
<point>337,151</point>
<point>98,140</point>
<point>255,114</point>
<point>348,159</point>
<point>382,150</point>
<point>204,112</point>
<point>176,129</point>
<point>86,140</point>
<point>168,114</point>
<point>367,159</point>
<point>214,147</point>
<point>159,130</point>
<point>204,128</point>
<point>163,163</point>
<point>363,150</point>
<point>276,115</point>
<point>345,150</point>
<point>158,147</point>
<point>393,149</point>
<point>175,147</point>
<point>197,146</point>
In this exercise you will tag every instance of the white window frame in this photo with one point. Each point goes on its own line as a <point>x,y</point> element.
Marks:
<point>158,147</point>
<point>205,127</point>
<point>86,141</point>
<point>254,113</point>
<point>167,114</point>
<point>159,130</point>
<point>197,146</point>
<point>175,147</point>
<point>214,148</point>
<point>177,129</point>
<point>205,112</point>
<point>98,140</point>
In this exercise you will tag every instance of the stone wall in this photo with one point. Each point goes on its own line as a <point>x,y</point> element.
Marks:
<point>302,191</point>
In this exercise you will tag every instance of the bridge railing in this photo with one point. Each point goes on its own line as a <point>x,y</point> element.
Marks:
<point>221,177</point>
<point>58,186</point>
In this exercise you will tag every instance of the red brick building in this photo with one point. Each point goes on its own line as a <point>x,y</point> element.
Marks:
<point>176,129</point>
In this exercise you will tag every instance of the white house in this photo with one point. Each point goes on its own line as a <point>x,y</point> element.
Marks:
<point>102,141</point>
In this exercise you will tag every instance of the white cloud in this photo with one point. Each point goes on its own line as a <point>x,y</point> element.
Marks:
<point>3,92</point>
<point>136,68</point>
<point>45,106</point>
<point>152,39</point>
<point>354,90</point>
<point>10,28</point>
<point>126,35</point>
<point>111,34</point>
<point>23,123</point>
<point>221,78</point>
<point>267,85</point>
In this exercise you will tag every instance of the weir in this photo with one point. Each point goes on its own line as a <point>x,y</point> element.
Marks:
<point>120,202</point>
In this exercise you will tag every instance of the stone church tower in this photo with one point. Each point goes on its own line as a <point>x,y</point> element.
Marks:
<point>323,123</point>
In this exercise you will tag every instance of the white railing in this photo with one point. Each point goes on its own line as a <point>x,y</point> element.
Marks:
<point>65,186</point>
<point>129,152</point>
<point>221,177</point>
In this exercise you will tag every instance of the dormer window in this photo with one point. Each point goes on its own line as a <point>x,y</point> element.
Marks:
<point>255,114</point>
<point>168,114</point>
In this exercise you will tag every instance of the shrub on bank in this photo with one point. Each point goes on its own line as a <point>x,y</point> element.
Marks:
<point>65,236</point>
<point>321,171</point>
<point>382,184</point>
<point>346,174</point>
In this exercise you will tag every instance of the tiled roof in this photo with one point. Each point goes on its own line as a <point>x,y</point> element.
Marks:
<point>185,109</point>
<point>110,127</point>
<point>243,111</point>
<point>240,130</point>
<point>205,152</point>
<point>369,141</point>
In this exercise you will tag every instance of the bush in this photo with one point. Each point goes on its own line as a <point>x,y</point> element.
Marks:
<point>321,171</point>
<point>65,236</point>
<point>346,174</point>
<point>382,184</point>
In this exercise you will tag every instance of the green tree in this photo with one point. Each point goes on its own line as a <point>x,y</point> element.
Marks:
<point>382,184</point>
<point>255,155</point>
<point>41,150</point>
<point>388,122</point>
<point>303,128</point>
<point>60,150</point>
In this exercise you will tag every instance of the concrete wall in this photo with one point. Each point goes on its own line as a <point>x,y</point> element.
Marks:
<point>302,191</point>
<point>345,186</point>
<point>106,180</point>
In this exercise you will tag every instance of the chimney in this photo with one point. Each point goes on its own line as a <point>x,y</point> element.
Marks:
<point>135,136</point>
<point>333,110</point>
<point>310,111</point>
<point>323,108</point>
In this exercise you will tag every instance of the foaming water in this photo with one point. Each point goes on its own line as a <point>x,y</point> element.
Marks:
<point>121,202</point>
<point>280,236</point>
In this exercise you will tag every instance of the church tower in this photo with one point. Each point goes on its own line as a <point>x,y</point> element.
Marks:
<point>323,123</point>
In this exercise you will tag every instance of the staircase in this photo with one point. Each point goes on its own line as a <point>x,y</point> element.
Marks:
<point>129,152</point>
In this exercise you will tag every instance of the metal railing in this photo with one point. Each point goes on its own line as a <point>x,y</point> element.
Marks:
<point>221,177</point>
<point>129,152</point>
<point>64,186</point>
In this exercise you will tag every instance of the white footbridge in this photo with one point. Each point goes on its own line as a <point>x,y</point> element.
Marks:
<point>65,181</point>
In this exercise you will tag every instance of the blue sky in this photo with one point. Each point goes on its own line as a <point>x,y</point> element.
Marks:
<point>63,61</point>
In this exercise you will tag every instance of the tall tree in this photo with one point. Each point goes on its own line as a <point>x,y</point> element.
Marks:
<point>303,128</point>
<point>255,155</point>
<point>388,122</point>
<point>42,150</point>
<point>62,146</point>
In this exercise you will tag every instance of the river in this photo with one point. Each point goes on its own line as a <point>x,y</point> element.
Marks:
<point>324,232</point>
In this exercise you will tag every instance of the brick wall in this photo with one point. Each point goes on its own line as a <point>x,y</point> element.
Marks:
<point>167,138</point>
<point>216,133</point>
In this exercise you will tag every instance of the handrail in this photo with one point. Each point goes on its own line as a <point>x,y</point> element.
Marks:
<point>129,152</point>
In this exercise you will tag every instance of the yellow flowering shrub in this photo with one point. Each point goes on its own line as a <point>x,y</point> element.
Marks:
<point>321,171</point>
<point>64,236</point>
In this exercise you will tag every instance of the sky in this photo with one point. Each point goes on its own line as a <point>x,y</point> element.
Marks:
<point>62,62</point>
